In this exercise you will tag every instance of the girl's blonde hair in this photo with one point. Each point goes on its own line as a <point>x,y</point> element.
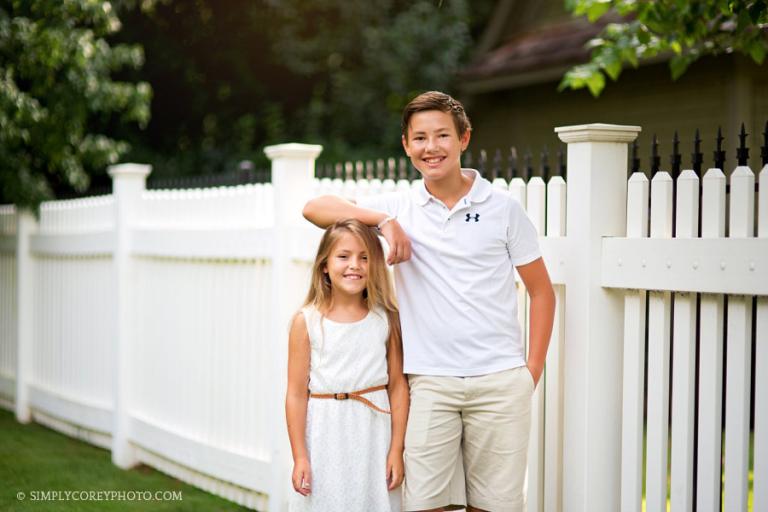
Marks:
<point>379,290</point>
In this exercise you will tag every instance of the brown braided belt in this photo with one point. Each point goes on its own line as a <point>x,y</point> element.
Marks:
<point>355,395</point>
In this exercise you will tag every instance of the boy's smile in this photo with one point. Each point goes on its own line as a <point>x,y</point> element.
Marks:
<point>434,145</point>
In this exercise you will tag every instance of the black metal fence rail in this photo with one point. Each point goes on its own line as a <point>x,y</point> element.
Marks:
<point>697,160</point>
<point>246,174</point>
<point>504,164</point>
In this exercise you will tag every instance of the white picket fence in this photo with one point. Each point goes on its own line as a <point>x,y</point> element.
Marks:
<point>154,324</point>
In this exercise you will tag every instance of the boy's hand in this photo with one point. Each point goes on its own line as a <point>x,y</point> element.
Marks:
<point>395,472</point>
<point>302,477</point>
<point>398,241</point>
<point>535,373</point>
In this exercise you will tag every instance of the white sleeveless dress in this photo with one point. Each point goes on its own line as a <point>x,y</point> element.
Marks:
<point>347,441</point>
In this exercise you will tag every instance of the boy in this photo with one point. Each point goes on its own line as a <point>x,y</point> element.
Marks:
<point>456,239</point>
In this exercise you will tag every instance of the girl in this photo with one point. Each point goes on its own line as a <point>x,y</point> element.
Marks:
<point>345,347</point>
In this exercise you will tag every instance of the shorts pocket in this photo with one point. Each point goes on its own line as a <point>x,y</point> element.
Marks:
<point>530,378</point>
<point>419,416</point>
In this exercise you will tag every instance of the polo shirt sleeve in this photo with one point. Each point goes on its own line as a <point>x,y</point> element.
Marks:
<point>522,238</point>
<point>387,203</point>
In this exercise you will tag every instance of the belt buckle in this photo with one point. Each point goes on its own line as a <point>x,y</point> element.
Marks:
<point>341,396</point>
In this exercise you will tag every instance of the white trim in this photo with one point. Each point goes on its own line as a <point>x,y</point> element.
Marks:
<point>98,243</point>
<point>706,265</point>
<point>94,416</point>
<point>254,243</point>
<point>244,471</point>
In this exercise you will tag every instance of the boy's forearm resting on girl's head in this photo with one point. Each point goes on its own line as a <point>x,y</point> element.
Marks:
<point>325,210</point>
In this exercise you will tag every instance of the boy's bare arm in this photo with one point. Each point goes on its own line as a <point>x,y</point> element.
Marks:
<point>325,210</point>
<point>536,280</point>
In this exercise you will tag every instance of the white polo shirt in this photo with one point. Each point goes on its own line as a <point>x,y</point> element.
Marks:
<point>457,295</point>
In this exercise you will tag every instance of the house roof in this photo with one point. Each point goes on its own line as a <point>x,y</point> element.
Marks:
<point>532,56</point>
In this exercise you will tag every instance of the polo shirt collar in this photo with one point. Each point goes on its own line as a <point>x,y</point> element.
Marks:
<point>479,192</point>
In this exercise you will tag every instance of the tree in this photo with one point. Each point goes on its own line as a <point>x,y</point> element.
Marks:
<point>684,29</point>
<point>230,76</point>
<point>367,60</point>
<point>57,94</point>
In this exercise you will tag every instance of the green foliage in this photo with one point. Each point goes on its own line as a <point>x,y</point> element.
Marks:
<point>55,93</point>
<point>683,29</point>
<point>367,60</point>
<point>231,76</point>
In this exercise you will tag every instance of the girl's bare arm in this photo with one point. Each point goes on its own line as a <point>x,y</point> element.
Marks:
<point>399,401</point>
<point>296,398</point>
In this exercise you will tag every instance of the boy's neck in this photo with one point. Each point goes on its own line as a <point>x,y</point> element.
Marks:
<point>451,188</point>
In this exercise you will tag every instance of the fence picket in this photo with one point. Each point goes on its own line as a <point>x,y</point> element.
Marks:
<point>553,373</point>
<point>760,481</point>
<point>536,209</point>
<point>709,449</point>
<point>634,358</point>
<point>684,355</point>
<point>659,306</point>
<point>739,354</point>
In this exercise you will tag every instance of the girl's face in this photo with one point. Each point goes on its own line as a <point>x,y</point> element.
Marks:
<point>347,265</point>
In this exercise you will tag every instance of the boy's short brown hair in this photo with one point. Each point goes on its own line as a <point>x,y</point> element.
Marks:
<point>436,100</point>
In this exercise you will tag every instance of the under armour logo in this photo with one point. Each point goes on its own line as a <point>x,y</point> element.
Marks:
<point>475,216</point>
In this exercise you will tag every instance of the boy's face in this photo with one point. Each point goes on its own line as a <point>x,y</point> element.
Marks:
<point>433,144</point>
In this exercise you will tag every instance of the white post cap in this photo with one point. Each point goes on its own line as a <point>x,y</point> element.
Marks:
<point>293,150</point>
<point>141,170</point>
<point>597,132</point>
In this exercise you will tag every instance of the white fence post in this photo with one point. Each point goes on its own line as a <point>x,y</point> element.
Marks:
<point>597,201</point>
<point>25,226</point>
<point>293,170</point>
<point>128,182</point>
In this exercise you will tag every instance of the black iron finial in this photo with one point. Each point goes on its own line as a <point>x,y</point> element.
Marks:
<point>764,149</point>
<point>742,153</point>
<point>481,164</point>
<point>545,163</point>
<point>512,163</point>
<point>412,173</point>
<point>719,152</point>
<point>468,159</point>
<point>655,158</point>
<point>496,167</point>
<point>696,157</point>
<point>528,166</point>
<point>635,167</point>
<point>391,168</point>
<point>402,168</point>
<point>561,168</point>
<point>676,159</point>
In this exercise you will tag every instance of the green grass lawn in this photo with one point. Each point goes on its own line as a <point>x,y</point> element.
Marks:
<point>34,459</point>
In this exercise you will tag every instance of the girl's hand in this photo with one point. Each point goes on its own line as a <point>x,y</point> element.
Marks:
<point>302,477</point>
<point>395,471</point>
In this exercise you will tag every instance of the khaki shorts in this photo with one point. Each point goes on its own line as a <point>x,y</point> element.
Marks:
<point>467,441</point>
